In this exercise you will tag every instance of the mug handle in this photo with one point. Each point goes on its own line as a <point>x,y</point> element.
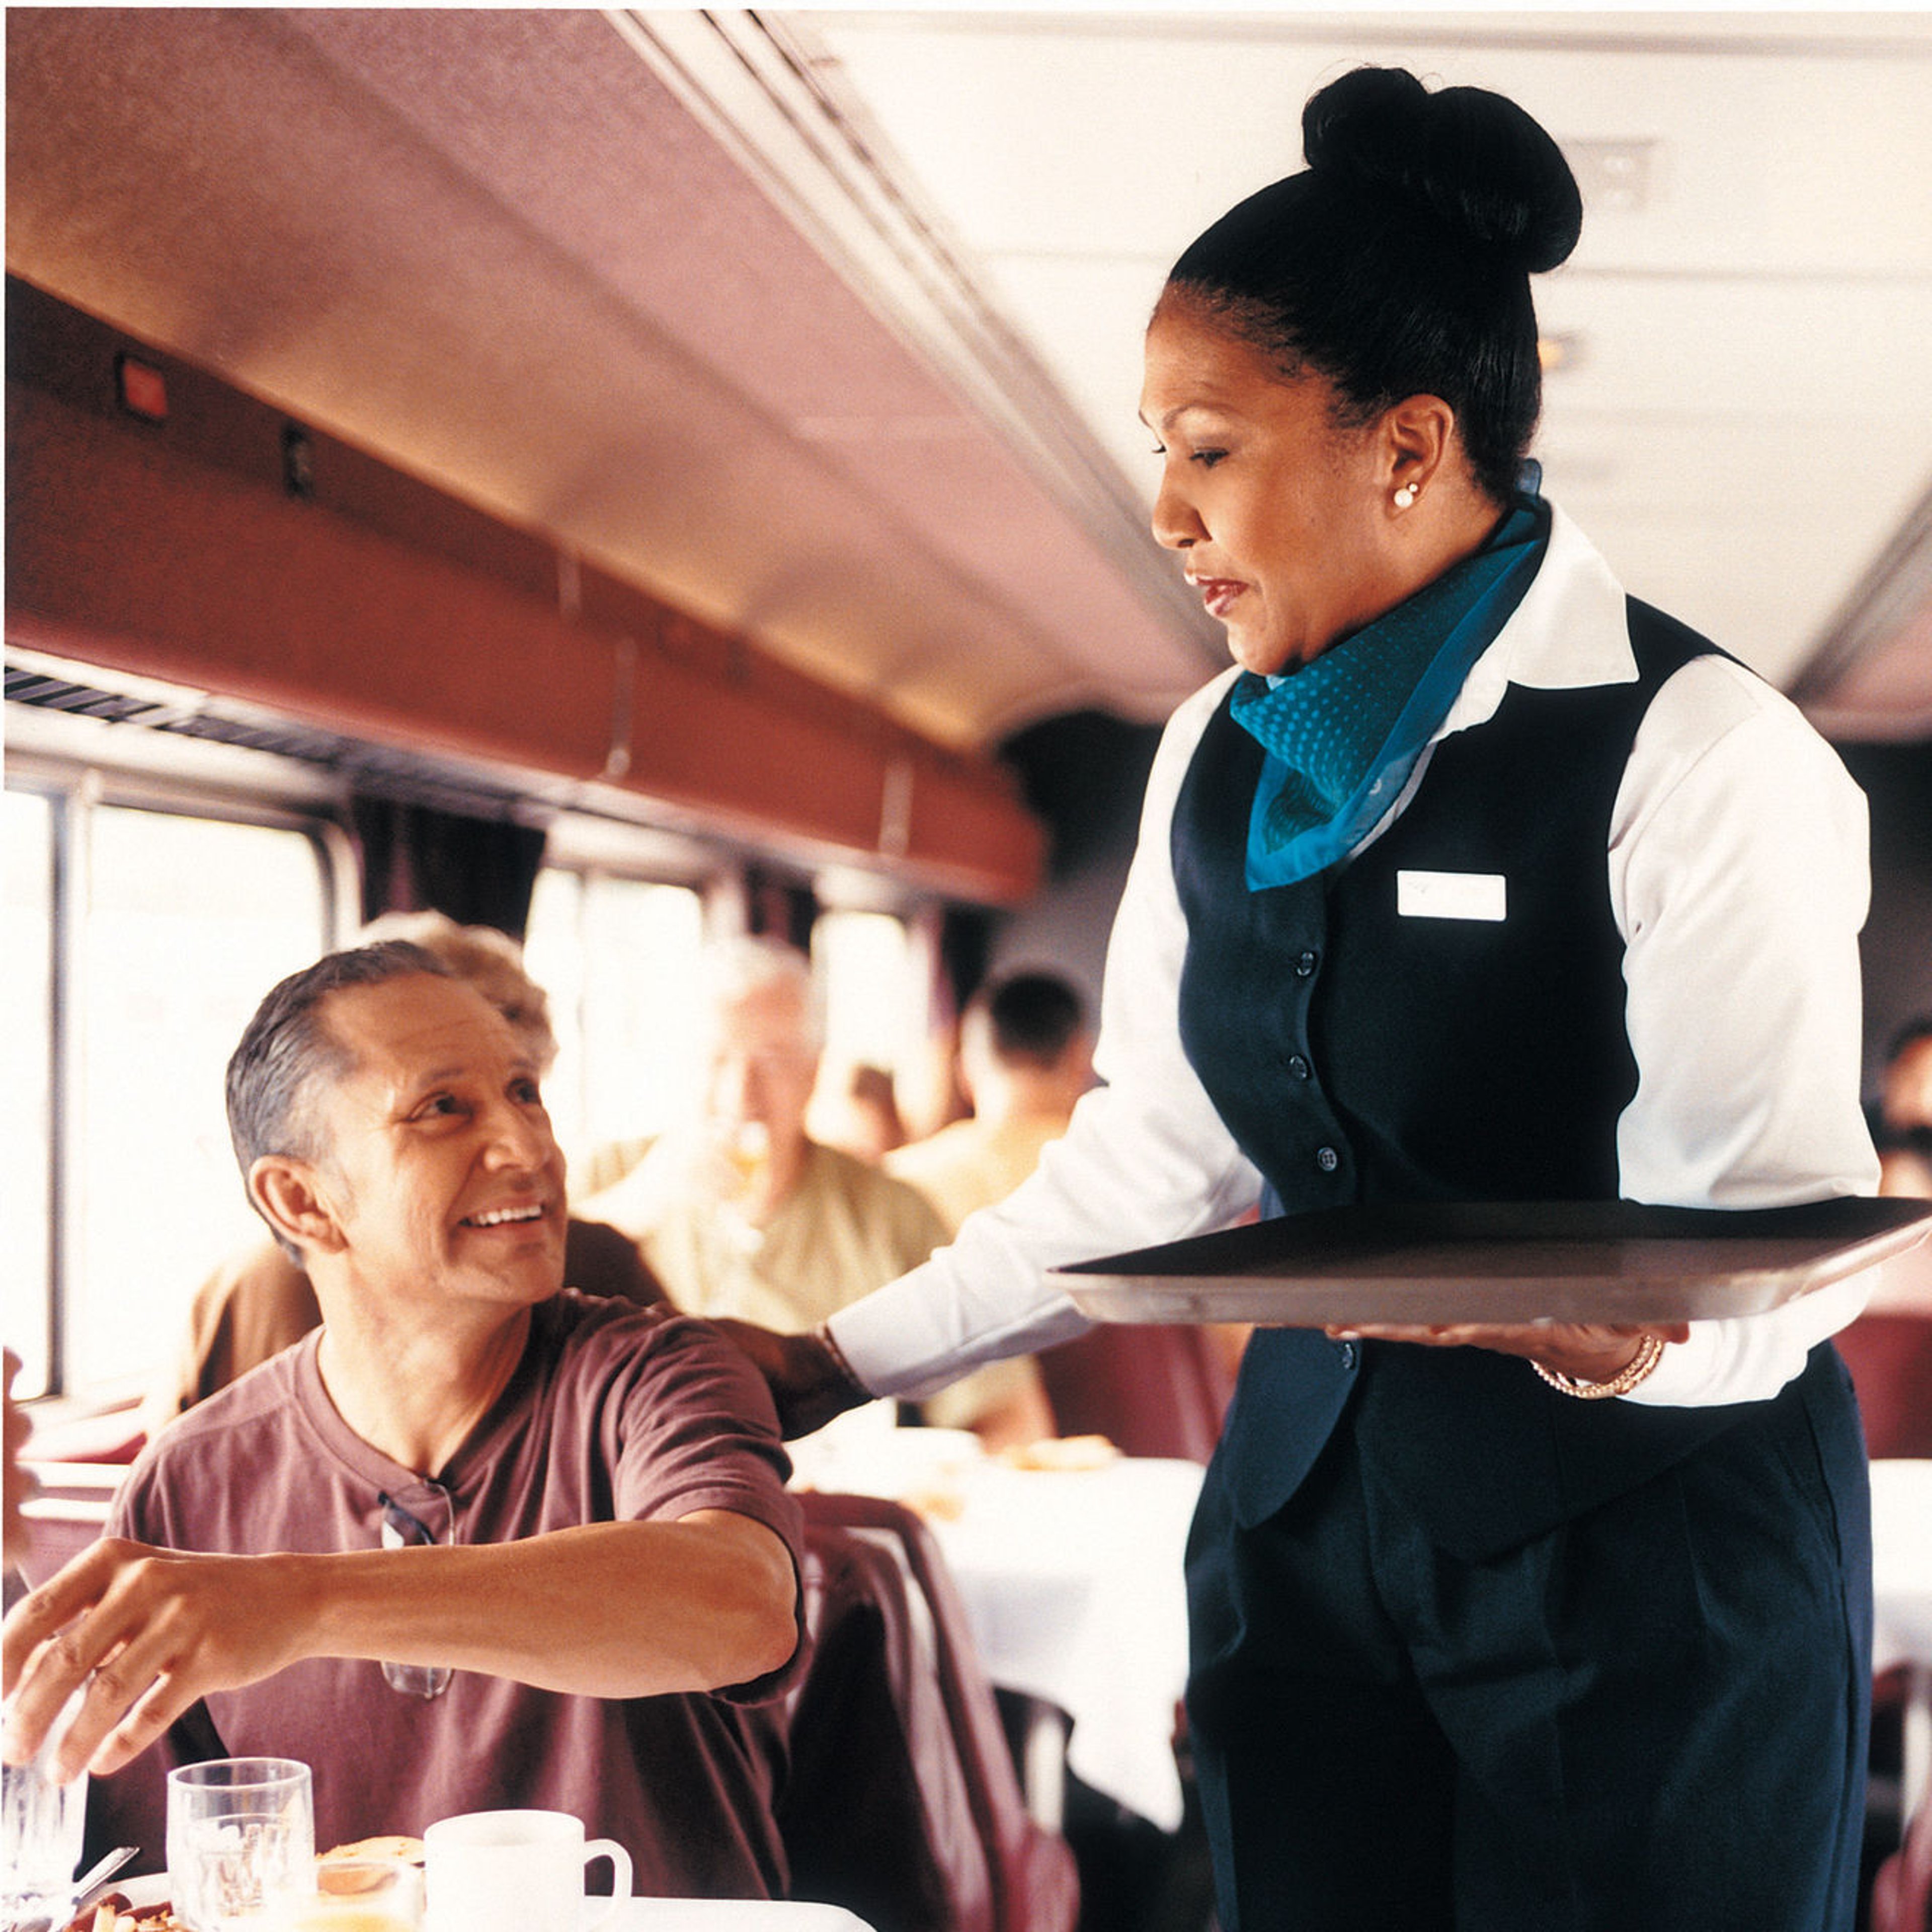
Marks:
<point>620,1875</point>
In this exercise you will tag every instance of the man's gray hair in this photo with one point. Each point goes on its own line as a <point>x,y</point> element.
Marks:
<point>286,1052</point>
<point>734,969</point>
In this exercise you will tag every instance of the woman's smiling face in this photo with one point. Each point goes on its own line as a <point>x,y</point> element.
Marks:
<point>1281,514</point>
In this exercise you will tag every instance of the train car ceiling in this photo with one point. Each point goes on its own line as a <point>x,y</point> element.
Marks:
<point>721,312</point>
<point>492,248</point>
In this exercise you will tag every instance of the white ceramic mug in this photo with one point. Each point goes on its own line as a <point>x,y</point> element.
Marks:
<point>516,1871</point>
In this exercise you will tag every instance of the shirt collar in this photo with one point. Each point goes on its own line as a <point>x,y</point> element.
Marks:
<point>1569,632</point>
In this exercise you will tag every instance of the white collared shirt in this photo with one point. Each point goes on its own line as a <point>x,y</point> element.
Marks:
<point>1738,880</point>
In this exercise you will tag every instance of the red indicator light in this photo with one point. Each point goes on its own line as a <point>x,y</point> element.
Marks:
<point>144,389</point>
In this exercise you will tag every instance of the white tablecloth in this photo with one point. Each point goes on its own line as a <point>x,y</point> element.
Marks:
<point>1072,1582</point>
<point>727,1915</point>
<point>1902,1603</point>
<point>644,1914</point>
<point>641,1915</point>
<point>1902,1562</point>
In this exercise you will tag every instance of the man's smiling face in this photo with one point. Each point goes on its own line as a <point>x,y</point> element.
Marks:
<point>438,1165</point>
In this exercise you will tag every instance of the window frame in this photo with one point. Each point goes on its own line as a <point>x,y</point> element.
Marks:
<point>657,866</point>
<point>75,788</point>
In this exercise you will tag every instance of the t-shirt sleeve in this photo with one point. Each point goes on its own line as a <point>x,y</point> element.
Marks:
<point>136,1510</point>
<point>696,1430</point>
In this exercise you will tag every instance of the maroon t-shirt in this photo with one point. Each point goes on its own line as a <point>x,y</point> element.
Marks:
<point>615,1414</point>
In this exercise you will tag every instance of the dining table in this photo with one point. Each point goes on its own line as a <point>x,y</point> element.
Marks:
<point>1901,1492</point>
<point>730,1915</point>
<point>644,1914</point>
<point>1071,1579</point>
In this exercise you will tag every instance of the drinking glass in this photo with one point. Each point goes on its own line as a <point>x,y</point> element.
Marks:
<point>423,1513</point>
<point>41,1825</point>
<point>746,1147</point>
<point>241,1842</point>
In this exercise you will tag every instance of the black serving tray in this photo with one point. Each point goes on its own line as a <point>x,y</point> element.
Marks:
<point>1510,1261</point>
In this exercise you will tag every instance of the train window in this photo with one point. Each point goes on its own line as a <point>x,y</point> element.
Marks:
<point>620,960</point>
<point>26,1069</point>
<point>864,963</point>
<point>188,922</point>
<point>164,930</point>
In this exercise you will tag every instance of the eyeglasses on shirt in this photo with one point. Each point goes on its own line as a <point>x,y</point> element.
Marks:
<point>422,1516</point>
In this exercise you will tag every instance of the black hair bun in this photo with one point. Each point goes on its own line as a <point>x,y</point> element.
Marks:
<point>1473,160</point>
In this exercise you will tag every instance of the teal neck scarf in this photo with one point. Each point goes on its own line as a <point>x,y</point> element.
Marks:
<point>1343,732</point>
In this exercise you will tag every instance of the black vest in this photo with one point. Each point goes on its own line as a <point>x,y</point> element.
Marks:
<point>1357,1054</point>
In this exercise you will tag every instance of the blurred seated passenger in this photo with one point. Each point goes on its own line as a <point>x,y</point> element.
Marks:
<point>1025,1056</point>
<point>856,1110</point>
<point>742,1214</point>
<point>259,1301</point>
<point>1888,1348</point>
<point>1903,1130</point>
<point>528,1549</point>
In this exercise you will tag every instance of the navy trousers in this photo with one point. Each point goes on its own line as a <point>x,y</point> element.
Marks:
<point>1653,1718</point>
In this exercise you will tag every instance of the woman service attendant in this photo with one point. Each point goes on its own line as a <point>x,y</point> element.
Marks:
<point>1473,879</point>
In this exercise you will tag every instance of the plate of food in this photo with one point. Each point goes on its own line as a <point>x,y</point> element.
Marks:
<point>1060,1455</point>
<point>1499,1262</point>
<point>130,1905</point>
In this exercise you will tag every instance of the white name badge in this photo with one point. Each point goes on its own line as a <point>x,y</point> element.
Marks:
<point>1451,895</point>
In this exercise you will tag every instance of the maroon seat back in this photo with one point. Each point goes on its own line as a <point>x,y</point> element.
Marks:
<point>1035,1886</point>
<point>875,1813</point>
<point>1157,1390</point>
<point>1901,1896</point>
<point>1890,1358</point>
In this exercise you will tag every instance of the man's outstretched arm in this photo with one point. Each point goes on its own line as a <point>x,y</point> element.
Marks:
<point>612,1609</point>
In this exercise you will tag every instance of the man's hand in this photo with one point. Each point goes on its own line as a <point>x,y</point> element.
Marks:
<point>1586,1352</point>
<point>156,1629</point>
<point>809,1384</point>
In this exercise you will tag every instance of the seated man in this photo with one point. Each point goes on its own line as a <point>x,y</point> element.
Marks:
<point>529,1549</point>
<point>744,1216</point>
<point>1025,1057</point>
<point>1903,1128</point>
<point>259,1301</point>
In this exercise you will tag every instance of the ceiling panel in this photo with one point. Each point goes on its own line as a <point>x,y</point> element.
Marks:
<point>826,324</point>
<point>490,248</point>
<point>1752,345</point>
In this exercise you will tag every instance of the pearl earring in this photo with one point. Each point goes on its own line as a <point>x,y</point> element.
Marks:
<point>1404,497</point>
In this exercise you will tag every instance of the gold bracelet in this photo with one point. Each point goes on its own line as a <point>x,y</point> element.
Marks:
<point>1649,1353</point>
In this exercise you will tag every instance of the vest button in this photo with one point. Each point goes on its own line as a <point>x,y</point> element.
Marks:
<point>1304,964</point>
<point>1348,1352</point>
<point>1298,1066</point>
<point>1327,1160</point>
